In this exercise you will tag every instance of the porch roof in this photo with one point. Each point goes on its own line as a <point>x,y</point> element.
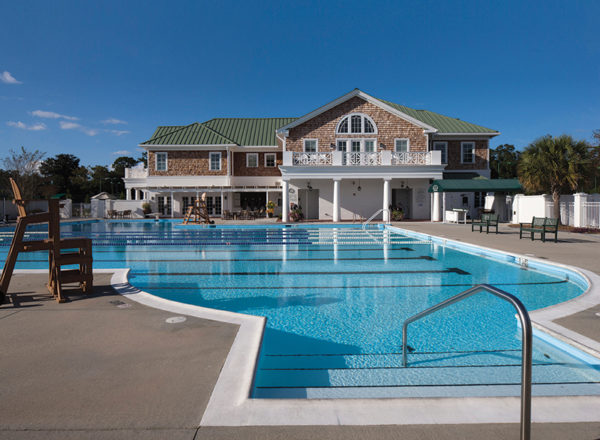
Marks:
<point>471,185</point>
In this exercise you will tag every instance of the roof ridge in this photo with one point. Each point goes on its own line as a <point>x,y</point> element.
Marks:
<point>180,127</point>
<point>268,117</point>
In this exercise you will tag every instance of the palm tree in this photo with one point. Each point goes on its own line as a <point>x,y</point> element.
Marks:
<point>553,165</point>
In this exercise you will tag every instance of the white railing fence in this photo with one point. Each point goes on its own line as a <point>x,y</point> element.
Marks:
<point>411,158</point>
<point>359,158</point>
<point>567,212</point>
<point>311,159</point>
<point>590,215</point>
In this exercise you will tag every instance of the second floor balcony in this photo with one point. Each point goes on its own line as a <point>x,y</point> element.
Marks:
<point>367,159</point>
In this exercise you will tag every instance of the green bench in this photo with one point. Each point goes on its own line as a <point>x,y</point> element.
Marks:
<point>487,220</point>
<point>541,225</point>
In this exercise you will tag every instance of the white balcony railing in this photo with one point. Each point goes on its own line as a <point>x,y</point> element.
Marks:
<point>311,159</point>
<point>367,159</point>
<point>136,173</point>
<point>411,158</point>
<point>354,159</point>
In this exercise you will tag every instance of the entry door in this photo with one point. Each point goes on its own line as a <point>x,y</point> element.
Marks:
<point>343,147</point>
<point>309,202</point>
<point>401,198</point>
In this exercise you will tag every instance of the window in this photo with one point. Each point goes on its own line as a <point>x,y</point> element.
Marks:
<point>310,145</point>
<point>215,161</point>
<point>369,146</point>
<point>161,161</point>
<point>270,160</point>
<point>356,145</point>
<point>467,152</point>
<point>251,160</point>
<point>342,145</point>
<point>479,199</point>
<point>401,145</point>
<point>443,147</point>
<point>356,124</point>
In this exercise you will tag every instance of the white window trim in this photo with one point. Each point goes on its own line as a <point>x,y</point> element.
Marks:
<point>274,161</point>
<point>462,149</point>
<point>402,139</point>
<point>210,168</point>
<point>362,144</point>
<point>362,124</point>
<point>445,144</point>
<point>248,155</point>
<point>316,144</point>
<point>166,161</point>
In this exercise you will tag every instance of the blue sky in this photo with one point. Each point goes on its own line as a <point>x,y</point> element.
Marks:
<point>94,79</point>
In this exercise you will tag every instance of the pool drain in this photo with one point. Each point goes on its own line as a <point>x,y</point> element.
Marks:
<point>175,319</point>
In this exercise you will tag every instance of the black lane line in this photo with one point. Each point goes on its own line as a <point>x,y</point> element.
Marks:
<point>167,287</point>
<point>429,385</point>
<point>398,354</point>
<point>541,364</point>
<point>427,258</point>
<point>375,272</point>
<point>270,249</point>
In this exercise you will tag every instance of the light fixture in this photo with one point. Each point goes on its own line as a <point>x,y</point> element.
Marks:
<point>359,188</point>
<point>308,186</point>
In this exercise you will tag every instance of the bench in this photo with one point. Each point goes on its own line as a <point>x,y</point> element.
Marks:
<point>541,225</point>
<point>487,220</point>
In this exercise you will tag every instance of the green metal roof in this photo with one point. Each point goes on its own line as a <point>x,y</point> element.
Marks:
<point>193,134</point>
<point>444,124</point>
<point>470,185</point>
<point>249,131</point>
<point>221,131</point>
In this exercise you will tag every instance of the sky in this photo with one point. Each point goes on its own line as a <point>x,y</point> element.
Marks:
<point>94,79</point>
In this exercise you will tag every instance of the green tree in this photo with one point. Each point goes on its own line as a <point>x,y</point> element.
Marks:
<point>118,173</point>
<point>554,165</point>
<point>23,167</point>
<point>100,179</point>
<point>503,161</point>
<point>59,171</point>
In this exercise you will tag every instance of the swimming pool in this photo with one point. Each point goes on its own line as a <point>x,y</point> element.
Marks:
<point>335,299</point>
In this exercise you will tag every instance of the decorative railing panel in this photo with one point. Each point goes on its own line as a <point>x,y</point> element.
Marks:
<point>312,159</point>
<point>359,158</point>
<point>411,158</point>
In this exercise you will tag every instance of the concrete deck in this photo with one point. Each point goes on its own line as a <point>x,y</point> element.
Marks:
<point>102,366</point>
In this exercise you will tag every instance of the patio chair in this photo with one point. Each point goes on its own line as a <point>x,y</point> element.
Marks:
<point>227,215</point>
<point>80,250</point>
<point>127,213</point>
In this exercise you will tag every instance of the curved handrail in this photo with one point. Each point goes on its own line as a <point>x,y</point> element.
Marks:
<point>364,225</point>
<point>526,345</point>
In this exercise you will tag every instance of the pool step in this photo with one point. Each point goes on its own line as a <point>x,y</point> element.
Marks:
<point>341,374</point>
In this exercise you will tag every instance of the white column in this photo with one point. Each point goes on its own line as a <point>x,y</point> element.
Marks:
<point>336,200</point>
<point>444,207</point>
<point>127,193</point>
<point>435,214</point>
<point>386,200</point>
<point>172,205</point>
<point>284,201</point>
<point>579,220</point>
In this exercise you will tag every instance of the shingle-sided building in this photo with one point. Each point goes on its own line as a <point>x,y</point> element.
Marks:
<point>342,161</point>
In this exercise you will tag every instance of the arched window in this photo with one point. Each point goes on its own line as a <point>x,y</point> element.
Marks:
<point>357,123</point>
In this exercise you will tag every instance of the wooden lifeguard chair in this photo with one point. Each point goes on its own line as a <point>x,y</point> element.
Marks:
<point>79,250</point>
<point>198,212</point>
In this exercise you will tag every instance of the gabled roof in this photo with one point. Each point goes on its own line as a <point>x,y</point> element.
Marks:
<point>252,132</point>
<point>430,121</point>
<point>193,134</point>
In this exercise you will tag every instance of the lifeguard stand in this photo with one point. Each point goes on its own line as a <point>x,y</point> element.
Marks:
<point>198,212</point>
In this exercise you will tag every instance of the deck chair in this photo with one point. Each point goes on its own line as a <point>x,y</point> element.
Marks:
<point>79,250</point>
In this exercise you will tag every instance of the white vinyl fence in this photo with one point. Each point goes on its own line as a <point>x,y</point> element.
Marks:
<point>578,210</point>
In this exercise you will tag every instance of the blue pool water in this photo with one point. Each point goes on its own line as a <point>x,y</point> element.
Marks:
<point>335,300</point>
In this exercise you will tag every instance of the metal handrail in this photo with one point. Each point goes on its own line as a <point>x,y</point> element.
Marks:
<point>364,226</point>
<point>526,345</point>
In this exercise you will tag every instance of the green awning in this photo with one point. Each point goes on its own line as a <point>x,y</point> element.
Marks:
<point>58,196</point>
<point>472,185</point>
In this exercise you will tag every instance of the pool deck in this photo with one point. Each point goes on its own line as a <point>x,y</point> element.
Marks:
<point>105,367</point>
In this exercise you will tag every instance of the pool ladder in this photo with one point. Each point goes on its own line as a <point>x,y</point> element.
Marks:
<point>526,345</point>
<point>366,223</point>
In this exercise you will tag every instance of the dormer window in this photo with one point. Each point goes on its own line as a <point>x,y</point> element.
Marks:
<point>356,124</point>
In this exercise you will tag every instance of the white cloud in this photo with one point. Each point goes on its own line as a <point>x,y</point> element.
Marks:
<point>52,115</point>
<point>7,78</point>
<point>75,126</point>
<point>122,153</point>
<point>69,125</point>
<point>113,121</point>
<point>119,132</point>
<point>23,126</point>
